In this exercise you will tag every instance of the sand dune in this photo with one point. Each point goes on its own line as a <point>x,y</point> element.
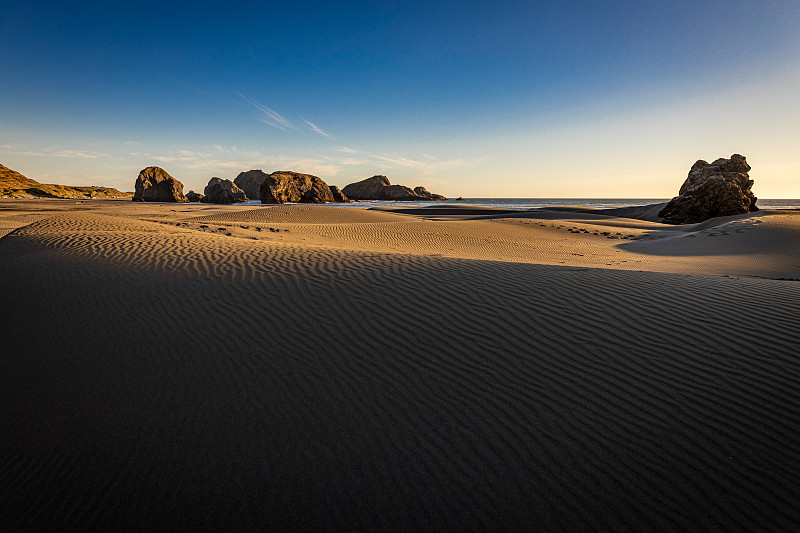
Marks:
<point>342,375</point>
<point>759,244</point>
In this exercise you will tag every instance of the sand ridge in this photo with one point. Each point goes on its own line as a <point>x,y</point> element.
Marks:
<point>164,376</point>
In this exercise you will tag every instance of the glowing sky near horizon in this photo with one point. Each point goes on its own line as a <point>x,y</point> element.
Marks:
<point>504,99</point>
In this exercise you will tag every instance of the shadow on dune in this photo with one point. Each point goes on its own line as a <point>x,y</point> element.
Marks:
<point>732,236</point>
<point>168,380</point>
<point>469,212</point>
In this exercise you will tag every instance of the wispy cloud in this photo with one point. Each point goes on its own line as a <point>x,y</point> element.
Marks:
<point>228,161</point>
<point>226,149</point>
<point>316,128</point>
<point>194,89</point>
<point>268,163</point>
<point>190,153</point>
<point>399,161</point>
<point>349,161</point>
<point>62,153</point>
<point>428,165</point>
<point>347,150</point>
<point>269,116</point>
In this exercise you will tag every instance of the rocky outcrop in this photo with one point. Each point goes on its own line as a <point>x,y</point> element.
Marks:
<point>422,191</point>
<point>379,188</point>
<point>285,186</point>
<point>194,196</point>
<point>338,196</point>
<point>250,182</point>
<point>154,184</point>
<point>717,189</point>
<point>220,191</point>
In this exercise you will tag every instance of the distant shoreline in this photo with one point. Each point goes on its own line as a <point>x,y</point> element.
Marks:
<point>533,203</point>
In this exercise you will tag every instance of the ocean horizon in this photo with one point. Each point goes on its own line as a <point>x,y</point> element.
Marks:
<point>534,203</point>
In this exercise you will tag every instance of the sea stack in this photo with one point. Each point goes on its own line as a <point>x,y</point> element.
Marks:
<point>220,191</point>
<point>379,188</point>
<point>154,184</point>
<point>285,186</point>
<point>338,196</point>
<point>250,182</point>
<point>192,196</point>
<point>717,189</point>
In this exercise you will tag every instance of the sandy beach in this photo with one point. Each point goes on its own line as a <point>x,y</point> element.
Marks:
<point>303,367</point>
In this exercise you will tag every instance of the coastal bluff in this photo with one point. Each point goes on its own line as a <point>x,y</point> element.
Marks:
<point>15,185</point>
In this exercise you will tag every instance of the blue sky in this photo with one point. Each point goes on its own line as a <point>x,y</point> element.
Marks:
<point>526,99</point>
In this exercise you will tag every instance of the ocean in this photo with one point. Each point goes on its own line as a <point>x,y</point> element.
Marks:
<point>532,203</point>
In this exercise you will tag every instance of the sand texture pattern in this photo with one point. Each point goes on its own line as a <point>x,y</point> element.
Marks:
<point>333,368</point>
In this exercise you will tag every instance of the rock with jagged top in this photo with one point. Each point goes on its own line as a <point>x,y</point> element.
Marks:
<point>194,196</point>
<point>379,188</point>
<point>717,189</point>
<point>250,182</point>
<point>285,186</point>
<point>338,196</point>
<point>422,191</point>
<point>220,191</point>
<point>154,184</point>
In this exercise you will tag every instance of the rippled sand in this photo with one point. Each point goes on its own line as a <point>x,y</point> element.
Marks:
<point>322,367</point>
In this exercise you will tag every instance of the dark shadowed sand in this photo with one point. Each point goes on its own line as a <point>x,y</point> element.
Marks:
<point>323,368</point>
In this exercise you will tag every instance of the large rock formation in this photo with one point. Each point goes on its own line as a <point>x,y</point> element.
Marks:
<point>154,184</point>
<point>379,188</point>
<point>718,189</point>
<point>284,186</point>
<point>220,191</point>
<point>250,182</point>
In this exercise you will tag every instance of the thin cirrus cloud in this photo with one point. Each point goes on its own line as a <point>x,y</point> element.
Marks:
<point>269,116</point>
<point>347,150</point>
<point>316,128</point>
<point>429,166</point>
<point>272,118</point>
<point>427,163</point>
<point>52,152</point>
<point>229,159</point>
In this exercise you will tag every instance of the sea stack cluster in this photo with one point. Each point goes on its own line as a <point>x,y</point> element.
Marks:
<point>154,184</point>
